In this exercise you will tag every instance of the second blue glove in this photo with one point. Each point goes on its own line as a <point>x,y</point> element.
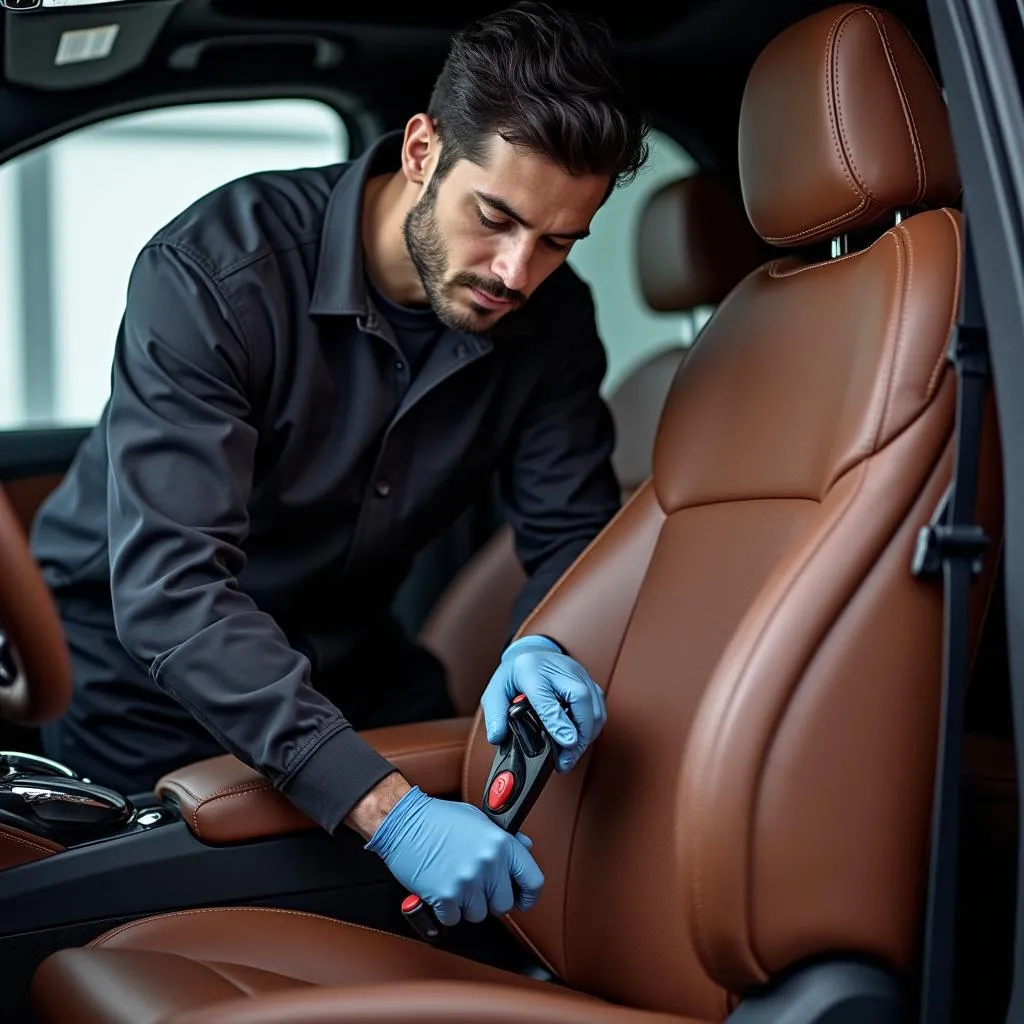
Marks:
<point>455,858</point>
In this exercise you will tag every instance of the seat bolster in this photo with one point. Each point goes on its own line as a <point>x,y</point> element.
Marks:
<point>429,1002</point>
<point>130,986</point>
<point>161,968</point>
<point>225,801</point>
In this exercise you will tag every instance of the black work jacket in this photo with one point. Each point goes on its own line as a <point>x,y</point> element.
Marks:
<point>265,469</point>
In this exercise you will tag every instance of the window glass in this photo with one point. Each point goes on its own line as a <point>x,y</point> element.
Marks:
<point>74,215</point>
<point>629,329</point>
<point>10,305</point>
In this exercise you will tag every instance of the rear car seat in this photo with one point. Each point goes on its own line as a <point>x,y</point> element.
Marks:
<point>693,244</point>
<point>747,838</point>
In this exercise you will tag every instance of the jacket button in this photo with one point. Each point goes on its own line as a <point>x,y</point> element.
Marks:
<point>382,488</point>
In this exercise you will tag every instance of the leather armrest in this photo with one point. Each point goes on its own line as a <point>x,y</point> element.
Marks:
<point>20,847</point>
<point>226,801</point>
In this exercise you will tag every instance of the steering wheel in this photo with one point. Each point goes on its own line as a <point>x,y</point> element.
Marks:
<point>35,668</point>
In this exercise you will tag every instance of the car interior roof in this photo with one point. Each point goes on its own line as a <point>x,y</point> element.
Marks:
<point>687,62</point>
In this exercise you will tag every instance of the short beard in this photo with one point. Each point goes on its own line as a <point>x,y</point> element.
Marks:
<point>429,256</point>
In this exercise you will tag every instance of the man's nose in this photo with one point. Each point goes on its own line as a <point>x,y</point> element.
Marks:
<point>512,264</point>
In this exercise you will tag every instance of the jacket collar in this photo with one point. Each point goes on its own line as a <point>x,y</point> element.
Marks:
<point>340,286</point>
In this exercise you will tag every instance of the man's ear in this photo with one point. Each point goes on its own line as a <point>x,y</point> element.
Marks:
<point>419,149</point>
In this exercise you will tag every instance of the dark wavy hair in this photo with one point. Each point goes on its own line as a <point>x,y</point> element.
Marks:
<point>540,78</point>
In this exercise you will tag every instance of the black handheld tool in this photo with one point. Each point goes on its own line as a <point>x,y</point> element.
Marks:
<point>522,764</point>
<point>422,918</point>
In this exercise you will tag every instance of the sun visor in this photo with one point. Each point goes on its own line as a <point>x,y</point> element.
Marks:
<point>68,44</point>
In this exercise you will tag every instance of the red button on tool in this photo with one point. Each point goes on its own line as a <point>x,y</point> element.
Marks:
<point>500,791</point>
<point>518,698</point>
<point>410,902</point>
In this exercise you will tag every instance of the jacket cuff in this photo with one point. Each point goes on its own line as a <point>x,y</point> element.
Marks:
<point>335,777</point>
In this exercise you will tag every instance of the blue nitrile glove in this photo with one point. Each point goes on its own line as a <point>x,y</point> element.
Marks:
<point>536,666</point>
<point>455,858</point>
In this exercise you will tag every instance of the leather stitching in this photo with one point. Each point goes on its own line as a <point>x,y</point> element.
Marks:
<point>908,113</point>
<point>261,785</point>
<point>878,415</point>
<point>241,789</point>
<point>832,97</point>
<point>226,794</point>
<point>903,279</point>
<point>697,836</point>
<point>880,397</point>
<point>10,837</point>
<point>845,150</point>
<point>933,380</point>
<point>821,226</point>
<point>142,922</point>
<point>478,719</point>
<point>779,275</point>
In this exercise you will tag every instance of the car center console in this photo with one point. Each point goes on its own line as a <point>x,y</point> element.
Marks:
<point>45,807</point>
<point>77,858</point>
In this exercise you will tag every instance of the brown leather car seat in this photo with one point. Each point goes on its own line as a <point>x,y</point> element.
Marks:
<point>754,817</point>
<point>693,245</point>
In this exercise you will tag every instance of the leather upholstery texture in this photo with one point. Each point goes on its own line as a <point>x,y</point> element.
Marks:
<point>841,121</point>
<point>782,665</point>
<point>693,245</point>
<point>20,847</point>
<point>760,795</point>
<point>259,961</point>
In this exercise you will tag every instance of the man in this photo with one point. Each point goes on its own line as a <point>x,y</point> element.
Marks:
<point>315,372</point>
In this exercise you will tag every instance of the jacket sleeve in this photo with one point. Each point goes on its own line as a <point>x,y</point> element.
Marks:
<point>558,484</point>
<point>182,434</point>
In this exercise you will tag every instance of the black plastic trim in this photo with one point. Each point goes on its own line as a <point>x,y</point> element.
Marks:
<point>976,41</point>
<point>167,868</point>
<point>827,992</point>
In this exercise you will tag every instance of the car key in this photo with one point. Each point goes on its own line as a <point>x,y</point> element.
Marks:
<point>522,764</point>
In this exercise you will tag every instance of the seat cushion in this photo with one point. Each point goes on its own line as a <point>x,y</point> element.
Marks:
<point>151,969</point>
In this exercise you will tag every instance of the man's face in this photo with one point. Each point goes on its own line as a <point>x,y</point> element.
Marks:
<point>484,238</point>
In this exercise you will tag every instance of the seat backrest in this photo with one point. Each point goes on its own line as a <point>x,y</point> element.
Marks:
<point>693,244</point>
<point>760,795</point>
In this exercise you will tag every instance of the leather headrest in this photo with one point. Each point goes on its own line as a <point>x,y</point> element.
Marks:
<point>694,244</point>
<point>841,123</point>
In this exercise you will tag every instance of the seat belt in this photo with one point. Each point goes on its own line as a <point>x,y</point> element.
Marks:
<point>952,547</point>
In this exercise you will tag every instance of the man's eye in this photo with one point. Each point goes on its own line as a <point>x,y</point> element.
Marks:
<point>558,246</point>
<point>494,225</point>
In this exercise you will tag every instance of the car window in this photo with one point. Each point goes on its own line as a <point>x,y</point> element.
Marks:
<point>75,213</point>
<point>629,329</point>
